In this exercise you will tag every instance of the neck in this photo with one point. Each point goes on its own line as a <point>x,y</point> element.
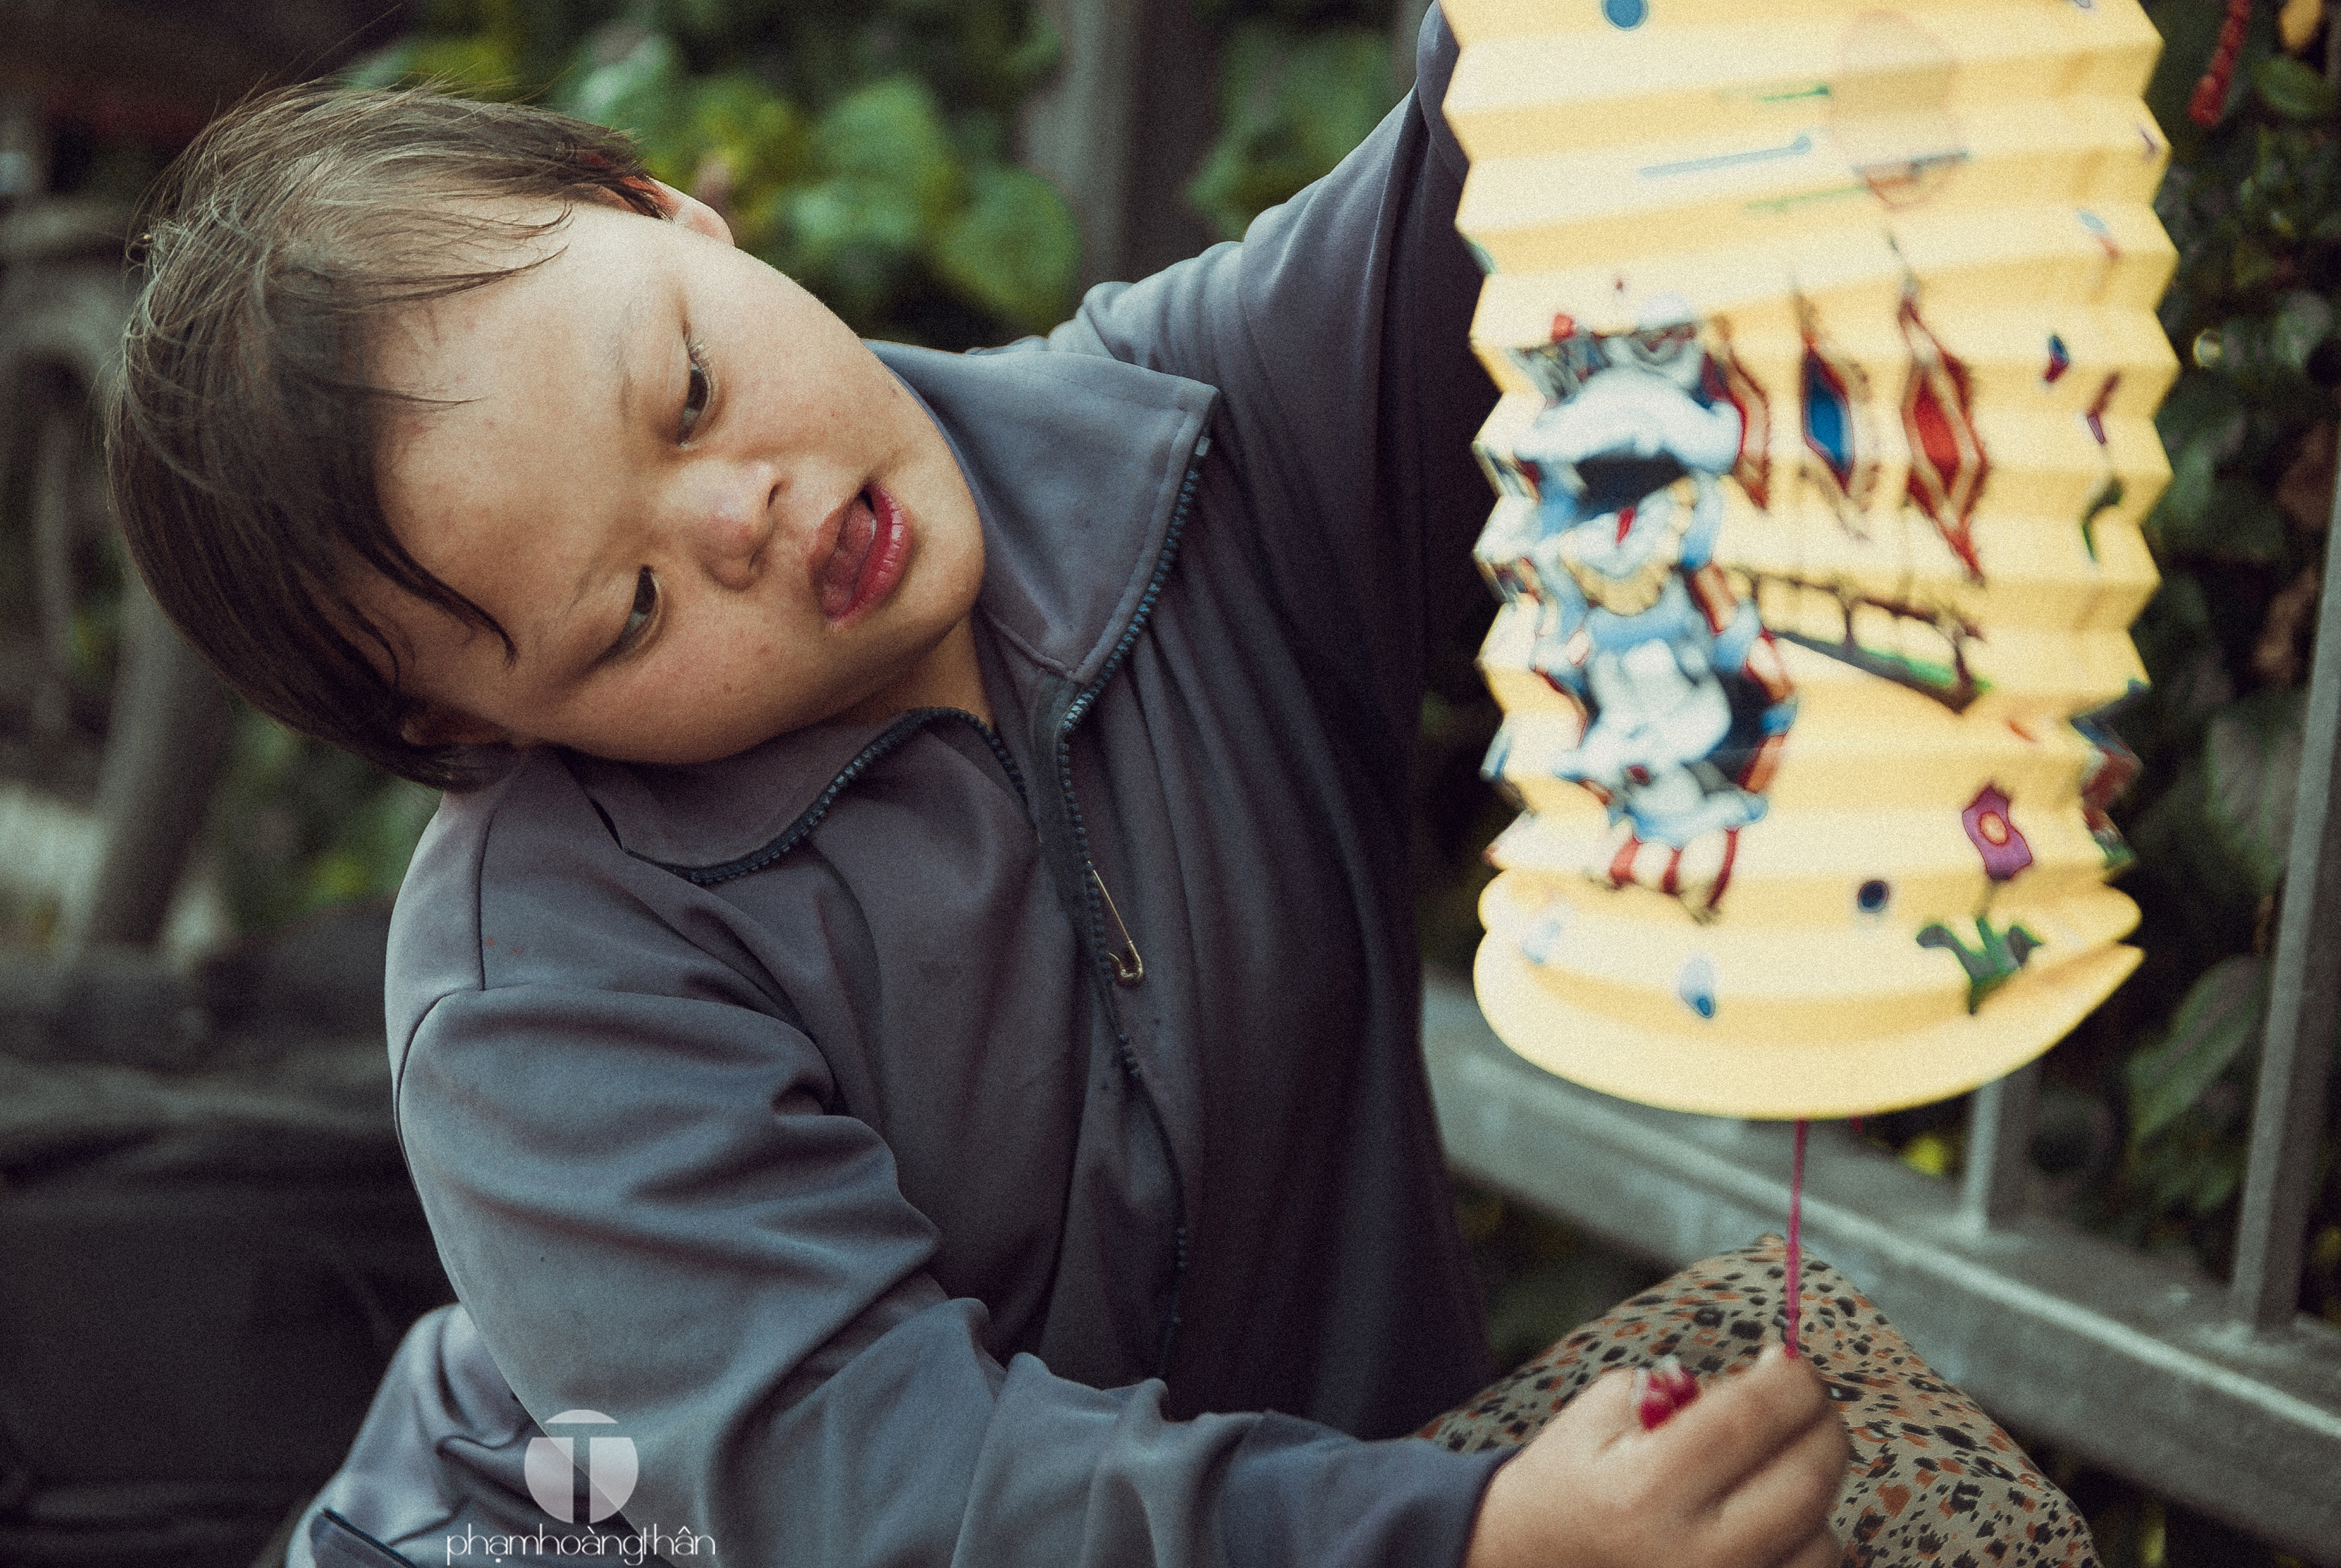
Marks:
<point>949,676</point>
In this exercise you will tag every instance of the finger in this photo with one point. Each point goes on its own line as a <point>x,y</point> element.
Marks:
<point>1821,1548</point>
<point>1739,1424</point>
<point>1783,1501</point>
<point>1603,1411</point>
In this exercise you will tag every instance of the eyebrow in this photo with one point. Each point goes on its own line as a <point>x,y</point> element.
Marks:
<point>622,336</point>
<point>621,339</point>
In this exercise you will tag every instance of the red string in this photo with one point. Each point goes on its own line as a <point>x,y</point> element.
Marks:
<point>1796,1248</point>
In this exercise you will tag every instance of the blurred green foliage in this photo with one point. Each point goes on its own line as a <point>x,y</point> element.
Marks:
<point>2252,202</point>
<point>862,146</point>
<point>1300,83</point>
<point>299,826</point>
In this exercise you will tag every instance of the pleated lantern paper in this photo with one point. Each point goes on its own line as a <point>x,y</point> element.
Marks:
<point>1828,359</point>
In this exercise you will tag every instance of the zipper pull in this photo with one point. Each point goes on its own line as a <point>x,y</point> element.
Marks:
<point>1129,965</point>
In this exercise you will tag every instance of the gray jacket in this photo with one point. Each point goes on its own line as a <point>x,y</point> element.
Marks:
<point>788,1109</point>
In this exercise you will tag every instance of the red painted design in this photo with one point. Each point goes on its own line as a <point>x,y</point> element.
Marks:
<point>1730,381</point>
<point>2096,417</point>
<point>1947,462</point>
<point>1723,874</point>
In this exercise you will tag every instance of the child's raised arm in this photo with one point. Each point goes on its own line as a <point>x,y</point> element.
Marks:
<point>1338,335</point>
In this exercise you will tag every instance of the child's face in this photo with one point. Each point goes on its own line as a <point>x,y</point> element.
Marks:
<point>705,512</point>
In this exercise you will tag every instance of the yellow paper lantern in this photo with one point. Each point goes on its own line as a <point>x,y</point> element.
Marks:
<point>1828,361</point>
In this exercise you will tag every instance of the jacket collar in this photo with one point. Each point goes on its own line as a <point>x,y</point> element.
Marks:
<point>1076,462</point>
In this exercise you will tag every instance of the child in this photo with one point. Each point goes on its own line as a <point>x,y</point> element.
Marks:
<point>909,1007</point>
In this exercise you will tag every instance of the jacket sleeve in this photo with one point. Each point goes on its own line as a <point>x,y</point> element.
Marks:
<point>640,1196</point>
<point>1337,333</point>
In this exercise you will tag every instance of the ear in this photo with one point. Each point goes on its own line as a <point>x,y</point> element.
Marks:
<point>690,212</point>
<point>435,724</point>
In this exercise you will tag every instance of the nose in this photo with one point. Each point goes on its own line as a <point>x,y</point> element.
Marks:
<point>727,521</point>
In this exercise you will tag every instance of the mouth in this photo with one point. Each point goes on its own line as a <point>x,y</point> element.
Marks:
<point>872,545</point>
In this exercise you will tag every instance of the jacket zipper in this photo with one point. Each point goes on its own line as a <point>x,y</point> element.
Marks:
<point>1098,899</point>
<point>1127,971</point>
<point>886,741</point>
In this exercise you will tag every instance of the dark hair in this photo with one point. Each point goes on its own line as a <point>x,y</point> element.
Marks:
<point>243,429</point>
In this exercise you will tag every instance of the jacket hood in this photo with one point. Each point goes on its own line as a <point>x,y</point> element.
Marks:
<point>1074,459</point>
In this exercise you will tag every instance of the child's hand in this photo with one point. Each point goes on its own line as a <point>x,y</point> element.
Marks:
<point>1743,1478</point>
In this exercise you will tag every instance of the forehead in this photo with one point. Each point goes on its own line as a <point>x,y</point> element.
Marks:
<point>552,276</point>
<point>492,382</point>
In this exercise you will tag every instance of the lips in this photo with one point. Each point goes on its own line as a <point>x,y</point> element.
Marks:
<point>873,545</point>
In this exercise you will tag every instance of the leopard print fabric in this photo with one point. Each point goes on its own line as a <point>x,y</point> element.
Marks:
<point>1934,1481</point>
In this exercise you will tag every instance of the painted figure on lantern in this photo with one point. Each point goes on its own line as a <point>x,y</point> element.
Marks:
<point>1683,697</point>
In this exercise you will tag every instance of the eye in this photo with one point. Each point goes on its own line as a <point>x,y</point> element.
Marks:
<point>696,393</point>
<point>638,618</point>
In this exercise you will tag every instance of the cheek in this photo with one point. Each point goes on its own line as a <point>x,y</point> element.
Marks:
<point>746,676</point>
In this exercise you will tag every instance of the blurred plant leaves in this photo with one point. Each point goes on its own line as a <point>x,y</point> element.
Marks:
<point>1010,247</point>
<point>2253,206</point>
<point>2241,523</point>
<point>627,77</point>
<point>887,179</point>
<point>2201,403</point>
<point>1292,103</point>
<point>301,826</point>
<point>2189,678</point>
<point>862,148</point>
<point>2177,519</point>
<point>2221,1017</point>
<point>2251,757</point>
<point>892,133</point>
<point>2292,89</point>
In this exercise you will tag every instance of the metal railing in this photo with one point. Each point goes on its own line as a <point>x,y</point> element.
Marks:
<point>2304,990</point>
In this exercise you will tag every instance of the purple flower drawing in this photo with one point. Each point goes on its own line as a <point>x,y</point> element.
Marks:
<point>2003,848</point>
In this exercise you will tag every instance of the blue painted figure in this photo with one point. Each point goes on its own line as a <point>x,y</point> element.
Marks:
<point>1684,696</point>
